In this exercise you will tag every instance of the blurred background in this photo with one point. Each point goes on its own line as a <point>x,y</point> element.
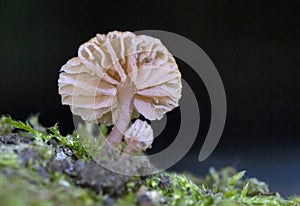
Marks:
<point>255,46</point>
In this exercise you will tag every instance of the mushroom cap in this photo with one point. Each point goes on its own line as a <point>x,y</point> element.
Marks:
<point>139,136</point>
<point>89,83</point>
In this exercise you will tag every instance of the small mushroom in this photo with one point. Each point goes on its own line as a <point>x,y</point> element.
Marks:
<point>118,76</point>
<point>138,137</point>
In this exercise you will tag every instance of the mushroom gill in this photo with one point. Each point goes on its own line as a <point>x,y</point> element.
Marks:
<point>118,76</point>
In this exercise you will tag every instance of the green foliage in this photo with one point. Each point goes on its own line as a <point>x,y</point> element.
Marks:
<point>9,158</point>
<point>5,128</point>
<point>70,141</point>
<point>225,187</point>
<point>24,188</point>
<point>29,184</point>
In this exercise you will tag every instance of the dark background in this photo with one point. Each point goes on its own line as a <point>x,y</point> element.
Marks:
<point>255,46</point>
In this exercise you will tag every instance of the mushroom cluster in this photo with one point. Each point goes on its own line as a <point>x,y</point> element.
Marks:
<point>118,76</point>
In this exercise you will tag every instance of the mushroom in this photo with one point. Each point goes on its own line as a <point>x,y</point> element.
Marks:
<point>118,76</point>
<point>138,137</point>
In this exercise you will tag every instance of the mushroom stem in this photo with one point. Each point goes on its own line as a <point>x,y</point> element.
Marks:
<point>123,117</point>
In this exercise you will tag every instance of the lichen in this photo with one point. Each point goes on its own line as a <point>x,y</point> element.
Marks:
<point>39,166</point>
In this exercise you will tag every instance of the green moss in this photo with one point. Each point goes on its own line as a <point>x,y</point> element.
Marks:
<point>39,166</point>
<point>5,127</point>
<point>41,135</point>
<point>19,190</point>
